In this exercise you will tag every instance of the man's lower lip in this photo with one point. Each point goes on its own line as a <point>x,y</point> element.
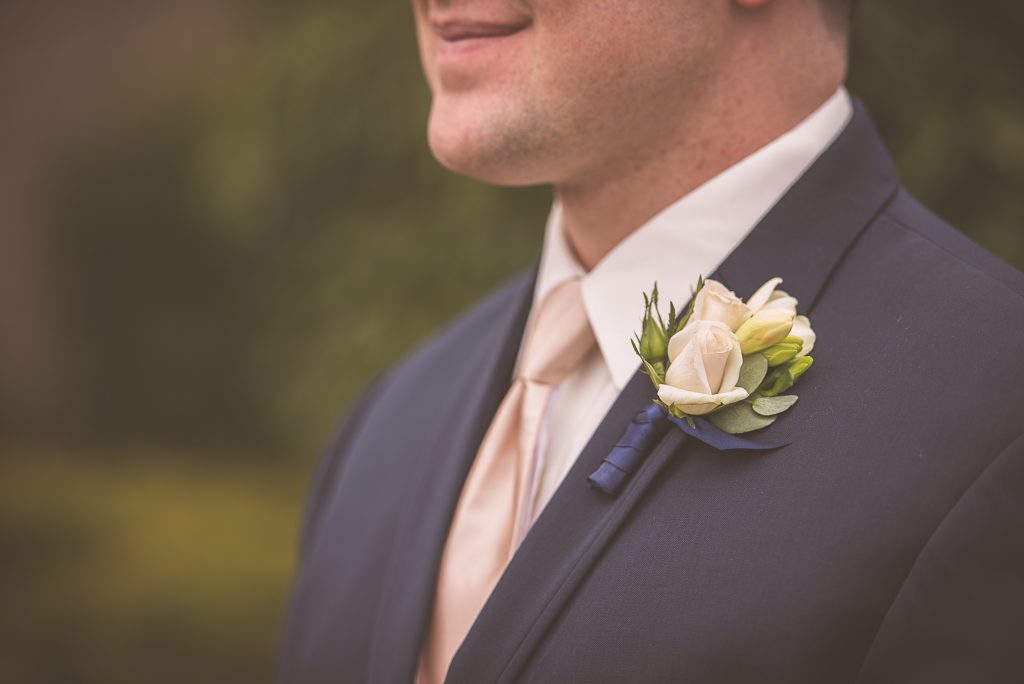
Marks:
<point>469,45</point>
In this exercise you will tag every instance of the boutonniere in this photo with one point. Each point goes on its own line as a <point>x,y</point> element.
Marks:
<point>722,369</point>
<point>730,361</point>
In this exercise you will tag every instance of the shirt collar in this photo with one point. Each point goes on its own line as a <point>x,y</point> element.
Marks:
<point>689,238</point>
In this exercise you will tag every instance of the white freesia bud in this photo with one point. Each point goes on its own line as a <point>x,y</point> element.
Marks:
<point>802,329</point>
<point>702,377</point>
<point>780,300</point>
<point>760,298</point>
<point>768,297</point>
<point>715,302</point>
<point>765,328</point>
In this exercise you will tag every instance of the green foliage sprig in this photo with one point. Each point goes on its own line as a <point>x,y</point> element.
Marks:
<point>651,343</point>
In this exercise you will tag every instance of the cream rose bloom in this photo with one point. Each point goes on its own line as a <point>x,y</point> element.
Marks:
<point>715,302</point>
<point>705,361</point>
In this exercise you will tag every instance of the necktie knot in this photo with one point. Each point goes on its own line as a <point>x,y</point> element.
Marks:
<point>559,336</point>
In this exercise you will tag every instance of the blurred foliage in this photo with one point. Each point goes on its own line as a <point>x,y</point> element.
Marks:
<point>945,84</point>
<point>254,256</point>
<point>246,258</point>
<point>142,567</point>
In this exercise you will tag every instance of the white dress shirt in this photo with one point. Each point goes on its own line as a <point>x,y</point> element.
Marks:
<point>689,238</point>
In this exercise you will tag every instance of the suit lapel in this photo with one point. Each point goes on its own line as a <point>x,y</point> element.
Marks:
<point>561,546</point>
<point>808,232</point>
<point>803,239</point>
<point>430,502</point>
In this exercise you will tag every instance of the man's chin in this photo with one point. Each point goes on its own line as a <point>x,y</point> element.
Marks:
<point>486,151</point>
<point>487,172</point>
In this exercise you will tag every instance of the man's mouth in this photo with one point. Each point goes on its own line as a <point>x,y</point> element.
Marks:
<point>464,30</point>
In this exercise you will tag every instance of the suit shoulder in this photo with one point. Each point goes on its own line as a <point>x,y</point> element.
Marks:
<point>909,214</point>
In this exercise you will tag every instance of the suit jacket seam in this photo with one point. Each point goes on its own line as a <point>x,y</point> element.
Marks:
<point>910,229</point>
<point>917,558</point>
<point>881,210</point>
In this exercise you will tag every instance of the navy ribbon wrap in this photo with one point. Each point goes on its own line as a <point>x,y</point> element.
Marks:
<point>646,430</point>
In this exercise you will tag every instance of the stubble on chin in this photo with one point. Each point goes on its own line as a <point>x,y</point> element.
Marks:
<point>513,146</point>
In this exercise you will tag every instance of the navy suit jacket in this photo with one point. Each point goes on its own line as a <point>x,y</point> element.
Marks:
<point>885,543</point>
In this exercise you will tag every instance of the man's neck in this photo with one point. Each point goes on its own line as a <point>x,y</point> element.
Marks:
<point>600,211</point>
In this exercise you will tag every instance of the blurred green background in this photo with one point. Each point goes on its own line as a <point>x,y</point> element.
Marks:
<point>219,220</point>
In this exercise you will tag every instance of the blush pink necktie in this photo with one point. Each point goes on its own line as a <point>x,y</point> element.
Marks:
<point>495,507</point>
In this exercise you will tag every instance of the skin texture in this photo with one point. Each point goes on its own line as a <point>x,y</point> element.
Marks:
<point>621,107</point>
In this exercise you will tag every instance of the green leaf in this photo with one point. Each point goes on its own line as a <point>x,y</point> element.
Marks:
<point>752,372</point>
<point>783,377</point>
<point>657,308</point>
<point>671,409</point>
<point>772,406</point>
<point>739,418</point>
<point>681,323</point>
<point>777,382</point>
